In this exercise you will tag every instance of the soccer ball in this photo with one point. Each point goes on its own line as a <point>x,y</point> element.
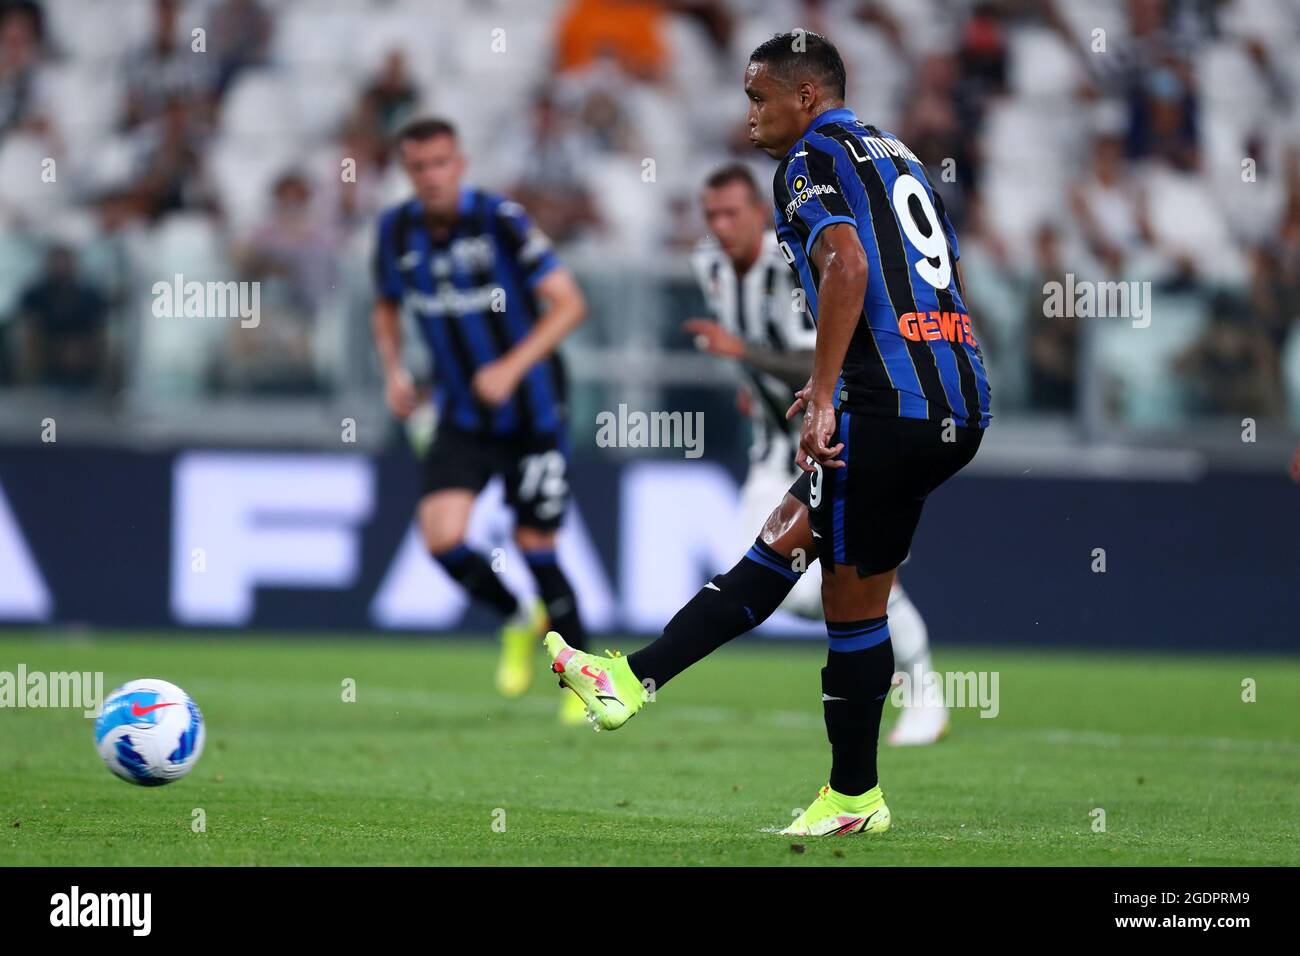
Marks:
<point>149,732</point>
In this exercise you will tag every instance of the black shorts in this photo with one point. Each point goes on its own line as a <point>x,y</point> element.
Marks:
<point>533,466</point>
<point>865,513</point>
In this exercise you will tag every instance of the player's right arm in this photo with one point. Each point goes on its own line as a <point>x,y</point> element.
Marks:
<point>817,179</point>
<point>792,368</point>
<point>386,326</point>
<point>386,322</point>
<point>842,265</point>
<point>789,357</point>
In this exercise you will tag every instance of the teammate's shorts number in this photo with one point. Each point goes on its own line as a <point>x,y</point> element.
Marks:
<point>815,486</point>
<point>544,481</point>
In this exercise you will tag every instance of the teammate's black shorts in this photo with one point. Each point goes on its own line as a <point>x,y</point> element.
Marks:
<point>865,513</point>
<point>534,467</point>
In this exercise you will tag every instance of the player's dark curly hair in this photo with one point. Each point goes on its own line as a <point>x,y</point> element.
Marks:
<point>800,53</point>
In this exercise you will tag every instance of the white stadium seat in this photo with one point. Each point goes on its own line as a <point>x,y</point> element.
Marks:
<point>261,102</point>
<point>244,170</point>
<point>173,351</point>
<point>311,35</point>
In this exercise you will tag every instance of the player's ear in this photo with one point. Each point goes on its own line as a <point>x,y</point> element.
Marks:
<point>807,94</point>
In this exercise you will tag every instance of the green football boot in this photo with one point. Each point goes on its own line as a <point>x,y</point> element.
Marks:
<point>605,685</point>
<point>834,814</point>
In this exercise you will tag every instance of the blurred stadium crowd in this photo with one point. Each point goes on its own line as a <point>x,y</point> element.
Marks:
<point>1151,140</point>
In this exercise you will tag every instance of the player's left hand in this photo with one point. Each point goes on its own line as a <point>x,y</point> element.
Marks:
<point>818,427</point>
<point>713,338</point>
<point>495,382</point>
<point>1295,467</point>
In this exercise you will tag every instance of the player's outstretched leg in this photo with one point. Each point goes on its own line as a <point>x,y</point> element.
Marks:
<point>920,722</point>
<point>735,602</point>
<point>726,607</point>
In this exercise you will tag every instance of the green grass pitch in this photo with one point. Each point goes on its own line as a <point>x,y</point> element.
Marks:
<point>427,759</point>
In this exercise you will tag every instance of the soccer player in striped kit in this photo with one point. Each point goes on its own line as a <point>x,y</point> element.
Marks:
<point>897,404</point>
<point>759,320</point>
<point>493,301</point>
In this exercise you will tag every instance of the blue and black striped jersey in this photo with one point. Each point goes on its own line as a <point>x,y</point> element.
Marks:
<point>471,288</point>
<point>914,353</point>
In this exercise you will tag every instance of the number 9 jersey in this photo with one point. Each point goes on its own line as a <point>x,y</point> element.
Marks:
<point>914,352</point>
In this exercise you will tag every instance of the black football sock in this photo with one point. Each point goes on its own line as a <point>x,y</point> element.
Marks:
<point>557,595</point>
<point>471,571</point>
<point>855,682</point>
<point>726,607</point>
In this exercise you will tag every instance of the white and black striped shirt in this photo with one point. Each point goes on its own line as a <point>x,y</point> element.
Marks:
<point>764,307</point>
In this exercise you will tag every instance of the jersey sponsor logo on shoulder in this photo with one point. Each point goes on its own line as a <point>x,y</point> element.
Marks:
<point>803,191</point>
